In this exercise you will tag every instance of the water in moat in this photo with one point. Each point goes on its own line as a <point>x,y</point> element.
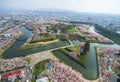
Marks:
<point>14,52</point>
<point>91,70</point>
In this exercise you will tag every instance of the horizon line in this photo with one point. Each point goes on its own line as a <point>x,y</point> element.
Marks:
<point>54,10</point>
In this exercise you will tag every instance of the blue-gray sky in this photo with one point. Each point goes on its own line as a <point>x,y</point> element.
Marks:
<point>94,6</point>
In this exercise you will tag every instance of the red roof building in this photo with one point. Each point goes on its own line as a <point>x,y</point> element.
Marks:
<point>6,75</point>
<point>82,45</point>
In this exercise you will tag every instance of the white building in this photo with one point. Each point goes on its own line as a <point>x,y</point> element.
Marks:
<point>6,35</point>
<point>44,79</point>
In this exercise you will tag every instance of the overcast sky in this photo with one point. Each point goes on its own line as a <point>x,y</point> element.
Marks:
<point>95,6</point>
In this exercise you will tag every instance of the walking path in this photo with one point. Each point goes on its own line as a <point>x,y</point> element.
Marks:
<point>40,56</point>
<point>35,58</point>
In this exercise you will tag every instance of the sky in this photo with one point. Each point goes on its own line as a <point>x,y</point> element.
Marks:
<point>93,6</point>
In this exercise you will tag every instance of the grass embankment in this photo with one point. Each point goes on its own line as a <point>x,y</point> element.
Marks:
<point>44,38</point>
<point>39,68</point>
<point>37,44</point>
<point>97,60</point>
<point>5,48</point>
<point>81,58</point>
<point>9,45</point>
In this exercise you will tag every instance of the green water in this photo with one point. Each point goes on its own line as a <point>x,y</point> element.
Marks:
<point>91,70</point>
<point>13,50</point>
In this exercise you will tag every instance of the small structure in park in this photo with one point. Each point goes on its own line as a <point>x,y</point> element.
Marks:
<point>82,45</point>
<point>82,48</point>
<point>49,67</point>
<point>85,48</point>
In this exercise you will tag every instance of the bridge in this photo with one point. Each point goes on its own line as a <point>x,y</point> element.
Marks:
<point>44,55</point>
<point>70,42</point>
<point>40,56</point>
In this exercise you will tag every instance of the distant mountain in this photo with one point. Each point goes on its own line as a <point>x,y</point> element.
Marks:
<point>54,10</point>
<point>44,10</point>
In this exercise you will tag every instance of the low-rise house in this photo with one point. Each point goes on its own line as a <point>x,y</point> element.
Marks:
<point>44,79</point>
<point>11,76</point>
<point>6,35</point>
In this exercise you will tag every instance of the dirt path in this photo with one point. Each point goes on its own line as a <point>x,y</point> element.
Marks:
<point>35,58</point>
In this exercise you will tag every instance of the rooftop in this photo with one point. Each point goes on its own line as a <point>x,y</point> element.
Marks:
<point>6,75</point>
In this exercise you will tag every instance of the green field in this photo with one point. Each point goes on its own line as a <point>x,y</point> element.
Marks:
<point>81,59</point>
<point>39,68</point>
<point>44,38</point>
<point>72,30</point>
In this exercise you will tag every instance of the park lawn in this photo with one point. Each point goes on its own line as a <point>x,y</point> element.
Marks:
<point>44,38</point>
<point>37,71</point>
<point>39,68</point>
<point>82,59</point>
<point>72,30</point>
<point>74,49</point>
